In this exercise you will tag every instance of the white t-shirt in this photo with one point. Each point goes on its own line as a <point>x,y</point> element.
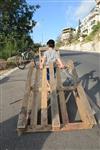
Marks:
<point>51,56</point>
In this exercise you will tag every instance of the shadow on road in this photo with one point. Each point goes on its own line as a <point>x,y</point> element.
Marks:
<point>76,63</point>
<point>9,140</point>
<point>95,89</point>
<point>4,80</point>
<point>72,54</point>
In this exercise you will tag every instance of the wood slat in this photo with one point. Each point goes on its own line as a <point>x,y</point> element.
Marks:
<point>69,127</point>
<point>63,108</point>
<point>67,88</point>
<point>35,100</point>
<point>81,108</point>
<point>27,86</point>
<point>54,102</point>
<point>83,98</point>
<point>22,120</point>
<point>44,119</point>
<point>95,109</point>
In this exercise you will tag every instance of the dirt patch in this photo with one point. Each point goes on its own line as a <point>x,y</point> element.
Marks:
<point>4,71</point>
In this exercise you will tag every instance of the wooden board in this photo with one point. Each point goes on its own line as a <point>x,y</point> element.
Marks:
<point>44,120</point>
<point>35,99</point>
<point>54,101</point>
<point>22,120</point>
<point>64,113</point>
<point>86,104</point>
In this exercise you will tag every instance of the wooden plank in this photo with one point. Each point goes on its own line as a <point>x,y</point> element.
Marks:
<point>95,108</point>
<point>83,98</point>
<point>86,104</point>
<point>69,95</point>
<point>44,91</point>
<point>54,102</point>
<point>22,120</point>
<point>28,85</point>
<point>68,127</point>
<point>67,88</point>
<point>35,100</point>
<point>63,108</point>
<point>81,108</point>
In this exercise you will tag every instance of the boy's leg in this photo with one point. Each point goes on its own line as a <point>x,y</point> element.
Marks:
<point>54,72</point>
<point>48,74</point>
<point>48,78</point>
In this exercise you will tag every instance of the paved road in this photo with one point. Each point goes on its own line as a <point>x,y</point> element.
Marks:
<point>12,89</point>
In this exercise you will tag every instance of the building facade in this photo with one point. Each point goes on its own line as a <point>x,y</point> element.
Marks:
<point>98,3</point>
<point>89,21</point>
<point>67,33</point>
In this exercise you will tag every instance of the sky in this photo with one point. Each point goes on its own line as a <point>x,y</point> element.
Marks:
<point>55,15</point>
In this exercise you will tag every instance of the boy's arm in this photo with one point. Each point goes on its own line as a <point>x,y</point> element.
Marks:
<point>61,65</point>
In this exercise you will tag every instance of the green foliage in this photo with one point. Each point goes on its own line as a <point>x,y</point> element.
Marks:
<point>35,47</point>
<point>78,31</point>
<point>59,42</point>
<point>96,30</point>
<point>16,24</point>
<point>70,37</point>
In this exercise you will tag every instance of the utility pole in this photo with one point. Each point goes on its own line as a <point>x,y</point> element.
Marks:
<point>42,38</point>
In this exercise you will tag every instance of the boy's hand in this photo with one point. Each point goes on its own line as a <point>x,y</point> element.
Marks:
<point>41,66</point>
<point>61,66</point>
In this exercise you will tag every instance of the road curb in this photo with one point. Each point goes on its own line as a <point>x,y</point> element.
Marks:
<point>8,73</point>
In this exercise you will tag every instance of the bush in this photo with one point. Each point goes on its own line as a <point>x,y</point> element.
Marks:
<point>96,30</point>
<point>3,64</point>
<point>11,65</point>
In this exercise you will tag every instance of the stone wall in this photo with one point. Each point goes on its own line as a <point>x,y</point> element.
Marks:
<point>89,47</point>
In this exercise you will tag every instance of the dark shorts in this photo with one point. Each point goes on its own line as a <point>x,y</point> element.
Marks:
<point>48,73</point>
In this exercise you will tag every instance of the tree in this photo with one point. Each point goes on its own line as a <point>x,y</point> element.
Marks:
<point>36,47</point>
<point>16,24</point>
<point>70,37</point>
<point>79,30</point>
<point>58,41</point>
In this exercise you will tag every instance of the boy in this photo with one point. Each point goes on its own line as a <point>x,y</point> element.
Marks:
<point>51,56</point>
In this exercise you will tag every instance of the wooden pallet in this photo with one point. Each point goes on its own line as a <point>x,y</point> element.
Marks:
<point>50,111</point>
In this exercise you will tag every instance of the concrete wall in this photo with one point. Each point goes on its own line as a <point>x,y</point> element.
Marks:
<point>89,47</point>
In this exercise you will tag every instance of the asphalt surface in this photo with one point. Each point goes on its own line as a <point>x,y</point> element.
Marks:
<point>12,91</point>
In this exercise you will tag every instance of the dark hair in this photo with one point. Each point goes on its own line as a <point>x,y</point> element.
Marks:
<point>51,43</point>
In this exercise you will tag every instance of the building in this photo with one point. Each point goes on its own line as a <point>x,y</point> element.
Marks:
<point>90,20</point>
<point>67,33</point>
<point>98,3</point>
